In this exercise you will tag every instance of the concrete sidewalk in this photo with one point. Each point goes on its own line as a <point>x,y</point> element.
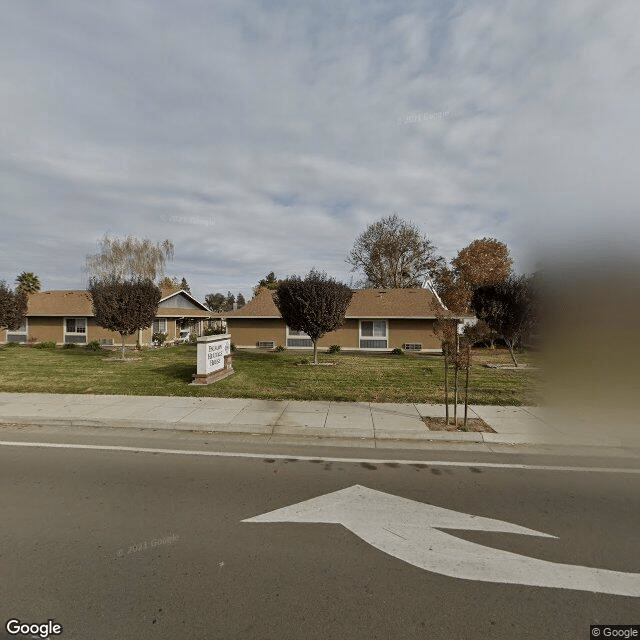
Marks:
<point>288,421</point>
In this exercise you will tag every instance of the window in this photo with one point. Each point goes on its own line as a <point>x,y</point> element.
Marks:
<point>75,330</point>
<point>20,334</point>
<point>373,334</point>
<point>298,339</point>
<point>160,325</point>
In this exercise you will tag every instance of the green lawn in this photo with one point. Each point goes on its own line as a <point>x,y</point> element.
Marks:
<point>369,378</point>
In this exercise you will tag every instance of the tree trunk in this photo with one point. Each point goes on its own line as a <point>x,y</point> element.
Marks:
<point>466,393</point>
<point>513,356</point>
<point>455,392</point>
<point>315,352</point>
<point>123,339</point>
<point>446,387</point>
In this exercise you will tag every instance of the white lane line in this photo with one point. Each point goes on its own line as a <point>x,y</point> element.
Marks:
<point>272,456</point>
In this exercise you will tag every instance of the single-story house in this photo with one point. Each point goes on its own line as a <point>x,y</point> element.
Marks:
<point>66,317</point>
<point>376,320</point>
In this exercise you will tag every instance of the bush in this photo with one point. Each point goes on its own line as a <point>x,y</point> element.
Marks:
<point>397,352</point>
<point>304,361</point>
<point>94,345</point>
<point>12,344</point>
<point>335,348</point>
<point>159,338</point>
<point>70,345</point>
<point>279,348</point>
<point>193,338</point>
<point>233,347</point>
<point>47,344</point>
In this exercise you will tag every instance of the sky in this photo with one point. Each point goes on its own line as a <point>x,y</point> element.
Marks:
<point>265,136</point>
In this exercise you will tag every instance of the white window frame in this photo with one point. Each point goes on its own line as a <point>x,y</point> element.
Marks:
<point>66,333</point>
<point>160,330</point>
<point>300,335</point>
<point>373,337</point>
<point>19,331</point>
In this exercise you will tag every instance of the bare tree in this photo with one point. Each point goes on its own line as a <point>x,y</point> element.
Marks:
<point>315,305</point>
<point>13,307</point>
<point>392,253</point>
<point>446,329</point>
<point>129,259</point>
<point>124,306</point>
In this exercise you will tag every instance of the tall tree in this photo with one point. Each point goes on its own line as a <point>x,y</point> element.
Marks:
<point>392,253</point>
<point>169,283</point>
<point>129,259</point>
<point>230,300</point>
<point>124,306</point>
<point>483,262</point>
<point>214,301</point>
<point>508,307</point>
<point>316,304</point>
<point>240,300</point>
<point>268,282</point>
<point>28,282</point>
<point>184,285</point>
<point>13,307</point>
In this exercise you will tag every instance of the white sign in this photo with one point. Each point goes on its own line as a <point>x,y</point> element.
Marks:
<point>215,353</point>
<point>410,531</point>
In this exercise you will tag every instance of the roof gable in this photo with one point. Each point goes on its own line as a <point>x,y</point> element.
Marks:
<point>180,300</point>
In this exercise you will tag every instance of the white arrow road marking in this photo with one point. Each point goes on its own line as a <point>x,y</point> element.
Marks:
<point>410,531</point>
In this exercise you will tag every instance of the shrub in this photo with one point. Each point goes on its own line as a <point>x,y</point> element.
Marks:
<point>233,347</point>
<point>94,345</point>
<point>47,344</point>
<point>193,338</point>
<point>70,345</point>
<point>12,344</point>
<point>335,348</point>
<point>304,361</point>
<point>279,348</point>
<point>397,352</point>
<point>159,338</point>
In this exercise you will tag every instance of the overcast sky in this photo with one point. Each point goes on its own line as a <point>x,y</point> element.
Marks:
<point>267,136</point>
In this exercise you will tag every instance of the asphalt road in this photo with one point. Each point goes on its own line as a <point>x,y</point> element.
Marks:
<point>115,544</point>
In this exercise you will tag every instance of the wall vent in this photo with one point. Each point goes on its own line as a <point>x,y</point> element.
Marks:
<point>413,346</point>
<point>266,344</point>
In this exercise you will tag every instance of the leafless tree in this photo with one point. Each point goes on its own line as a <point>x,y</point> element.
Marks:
<point>445,328</point>
<point>392,253</point>
<point>129,259</point>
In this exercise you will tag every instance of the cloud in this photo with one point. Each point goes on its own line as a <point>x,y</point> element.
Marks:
<point>265,137</point>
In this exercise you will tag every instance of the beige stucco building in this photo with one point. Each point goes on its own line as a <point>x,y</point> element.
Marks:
<point>376,320</point>
<point>66,317</point>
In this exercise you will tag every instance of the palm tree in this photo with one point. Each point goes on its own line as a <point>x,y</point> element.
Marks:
<point>28,282</point>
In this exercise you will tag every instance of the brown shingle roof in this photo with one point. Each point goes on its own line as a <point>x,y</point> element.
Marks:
<point>78,303</point>
<point>365,303</point>
<point>59,303</point>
